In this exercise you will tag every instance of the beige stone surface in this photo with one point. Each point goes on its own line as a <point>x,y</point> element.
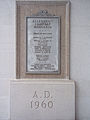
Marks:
<point>24,9</point>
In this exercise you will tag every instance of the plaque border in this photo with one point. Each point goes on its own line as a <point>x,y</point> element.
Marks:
<point>59,46</point>
<point>65,70</point>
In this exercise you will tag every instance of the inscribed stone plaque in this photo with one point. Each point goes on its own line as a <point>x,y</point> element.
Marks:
<point>43,40</point>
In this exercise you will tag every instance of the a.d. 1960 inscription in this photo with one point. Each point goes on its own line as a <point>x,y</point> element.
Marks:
<point>41,100</point>
<point>43,53</point>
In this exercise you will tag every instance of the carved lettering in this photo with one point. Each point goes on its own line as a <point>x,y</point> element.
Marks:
<point>46,94</point>
<point>35,95</point>
<point>42,100</point>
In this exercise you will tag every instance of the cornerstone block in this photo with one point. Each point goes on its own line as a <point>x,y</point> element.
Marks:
<point>37,100</point>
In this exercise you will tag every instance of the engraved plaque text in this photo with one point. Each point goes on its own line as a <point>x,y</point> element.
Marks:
<point>43,44</point>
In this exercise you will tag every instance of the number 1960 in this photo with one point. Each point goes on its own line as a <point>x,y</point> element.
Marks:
<point>43,104</point>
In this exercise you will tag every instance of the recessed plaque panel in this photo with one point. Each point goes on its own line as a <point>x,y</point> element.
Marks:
<point>43,44</point>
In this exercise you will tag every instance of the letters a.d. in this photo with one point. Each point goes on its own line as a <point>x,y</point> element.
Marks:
<point>46,94</point>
